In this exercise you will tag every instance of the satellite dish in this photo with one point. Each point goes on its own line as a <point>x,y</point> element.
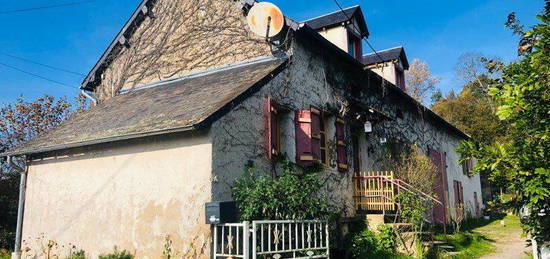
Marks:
<point>258,18</point>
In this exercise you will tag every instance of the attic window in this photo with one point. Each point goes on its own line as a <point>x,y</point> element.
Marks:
<point>354,46</point>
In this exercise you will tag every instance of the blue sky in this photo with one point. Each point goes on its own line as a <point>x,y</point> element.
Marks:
<point>74,37</point>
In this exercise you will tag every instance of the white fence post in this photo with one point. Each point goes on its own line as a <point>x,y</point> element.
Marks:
<point>254,240</point>
<point>246,240</point>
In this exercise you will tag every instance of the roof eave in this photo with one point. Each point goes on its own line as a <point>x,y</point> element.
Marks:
<point>100,141</point>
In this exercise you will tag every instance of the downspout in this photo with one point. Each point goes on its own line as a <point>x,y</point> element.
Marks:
<point>21,206</point>
<point>89,96</point>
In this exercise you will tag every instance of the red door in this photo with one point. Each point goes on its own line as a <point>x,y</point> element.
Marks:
<point>440,187</point>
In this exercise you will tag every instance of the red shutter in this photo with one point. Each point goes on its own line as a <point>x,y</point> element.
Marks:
<point>304,155</point>
<point>271,128</point>
<point>315,133</point>
<point>341,152</point>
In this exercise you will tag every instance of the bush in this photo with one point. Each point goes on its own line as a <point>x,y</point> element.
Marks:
<point>367,244</point>
<point>288,196</point>
<point>387,237</point>
<point>116,254</point>
<point>80,254</point>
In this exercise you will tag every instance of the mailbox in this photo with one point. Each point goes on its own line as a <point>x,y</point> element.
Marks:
<point>219,212</point>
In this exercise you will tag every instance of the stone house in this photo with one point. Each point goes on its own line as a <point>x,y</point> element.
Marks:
<point>184,104</point>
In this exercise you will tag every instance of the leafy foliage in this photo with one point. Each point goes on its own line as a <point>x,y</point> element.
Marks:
<point>523,99</point>
<point>387,238</point>
<point>367,244</point>
<point>472,112</point>
<point>288,196</point>
<point>80,254</point>
<point>117,254</point>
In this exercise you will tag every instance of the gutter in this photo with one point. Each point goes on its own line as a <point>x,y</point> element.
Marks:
<point>21,206</point>
<point>89,96</point>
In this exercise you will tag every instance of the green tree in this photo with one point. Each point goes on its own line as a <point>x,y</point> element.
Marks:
<point>522,96</point>
<point>472,112</point>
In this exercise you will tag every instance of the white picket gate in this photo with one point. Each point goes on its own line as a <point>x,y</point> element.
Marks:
<point>272,239</point>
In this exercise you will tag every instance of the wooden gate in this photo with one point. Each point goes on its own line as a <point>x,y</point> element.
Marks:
<point>374,191</point>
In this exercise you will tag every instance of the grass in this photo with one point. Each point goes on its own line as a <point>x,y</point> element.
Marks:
<point>5,254</point>
<point>478,237</point>
<point>468,244</point>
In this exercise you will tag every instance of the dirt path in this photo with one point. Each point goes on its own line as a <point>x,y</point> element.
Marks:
<point>508,239</point>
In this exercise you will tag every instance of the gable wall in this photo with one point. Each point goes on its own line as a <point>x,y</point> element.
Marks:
<point>178,38</point>
<point>131,195</point>
<point>314,79</point>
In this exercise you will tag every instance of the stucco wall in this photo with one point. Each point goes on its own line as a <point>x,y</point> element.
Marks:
<point>315,80</point>
<point>337,35</point>
<point>131,195</point>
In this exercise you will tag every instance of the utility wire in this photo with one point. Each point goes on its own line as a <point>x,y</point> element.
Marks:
<point>39,76</point>
<point>353,24</point>
<point>46,7</point>
<point>41,64</point>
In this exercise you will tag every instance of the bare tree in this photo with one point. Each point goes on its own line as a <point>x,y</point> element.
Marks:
<point>473,67</point>
<point>420,82</point>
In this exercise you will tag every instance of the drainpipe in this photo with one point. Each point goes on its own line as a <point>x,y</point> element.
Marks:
<point>21,206</point>
<point>89,96</point>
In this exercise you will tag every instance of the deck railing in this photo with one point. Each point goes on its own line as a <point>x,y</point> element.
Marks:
<point>374,191</point>
<point>377,191</point>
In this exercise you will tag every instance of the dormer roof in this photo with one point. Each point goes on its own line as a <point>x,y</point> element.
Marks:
<point>338,17</point>
<point>396,53</point>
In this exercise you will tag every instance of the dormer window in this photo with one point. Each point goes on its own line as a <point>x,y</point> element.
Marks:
<point>354,46</point>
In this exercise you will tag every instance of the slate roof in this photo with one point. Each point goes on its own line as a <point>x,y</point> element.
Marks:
<point>169,106</point>
<point>338,17</point>
<point>387,55</point>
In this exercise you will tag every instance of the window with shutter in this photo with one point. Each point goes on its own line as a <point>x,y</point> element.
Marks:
<point>341,151</point>
<point>272,124</point>
<point>304,156</point>
<point>316,122</point>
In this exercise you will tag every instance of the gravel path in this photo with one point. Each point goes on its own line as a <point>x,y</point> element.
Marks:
<point>508,239</point>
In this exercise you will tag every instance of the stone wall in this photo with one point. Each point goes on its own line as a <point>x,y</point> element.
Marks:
<point>313,79</point>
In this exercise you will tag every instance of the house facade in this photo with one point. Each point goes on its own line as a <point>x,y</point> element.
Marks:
<point>172,133</point>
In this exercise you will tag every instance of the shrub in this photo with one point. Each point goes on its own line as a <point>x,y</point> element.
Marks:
<point>367,244</point>
<point>387,237</point>
<point>288,196</point>
<point>116,254</point>
<point>80,254</point>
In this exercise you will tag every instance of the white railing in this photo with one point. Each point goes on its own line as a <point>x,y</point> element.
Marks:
<point>272,239</point>
<point>231,240</point>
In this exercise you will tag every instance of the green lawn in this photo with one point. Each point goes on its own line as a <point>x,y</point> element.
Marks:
<point>478,237</point>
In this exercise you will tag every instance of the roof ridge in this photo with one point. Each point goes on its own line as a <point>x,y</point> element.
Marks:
<point>337,11</point>
<point>201,73</point>
<point>392,48</point>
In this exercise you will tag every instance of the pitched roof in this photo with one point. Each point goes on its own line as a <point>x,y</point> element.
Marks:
<point>338,17</point>
<point>169,106</point>
<point>387,55</point>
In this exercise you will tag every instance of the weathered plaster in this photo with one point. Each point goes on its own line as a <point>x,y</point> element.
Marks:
<point>130,195</point>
